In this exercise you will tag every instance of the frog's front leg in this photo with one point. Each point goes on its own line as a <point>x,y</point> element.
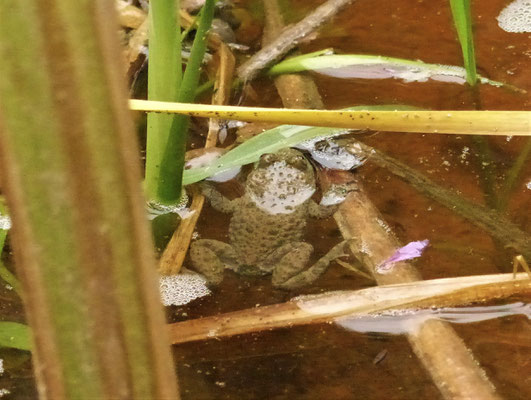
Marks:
<point>290,273</point>
<point>217,200</point>
<point>319,211</point>
<point>211,257</point>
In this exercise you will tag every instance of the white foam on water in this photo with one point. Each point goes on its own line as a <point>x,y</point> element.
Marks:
<point>182,288</point>
<point>516,17</point>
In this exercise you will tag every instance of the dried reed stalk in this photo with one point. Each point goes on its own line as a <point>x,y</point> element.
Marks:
<point>295,90</point>
<point>313,309</point>
<point>490,123</point>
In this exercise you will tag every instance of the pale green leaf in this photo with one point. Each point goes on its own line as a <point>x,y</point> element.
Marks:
<point>15,335</point>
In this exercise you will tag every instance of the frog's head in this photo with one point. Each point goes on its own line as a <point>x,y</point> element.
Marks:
<point>293,158</point>
<point>281,181</point>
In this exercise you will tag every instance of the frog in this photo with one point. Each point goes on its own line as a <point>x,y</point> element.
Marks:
<point>266,230</point>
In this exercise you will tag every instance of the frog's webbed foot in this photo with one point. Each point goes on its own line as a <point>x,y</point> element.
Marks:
<point>290,273</point>
<point>290,260</point>
<point>211,257</point>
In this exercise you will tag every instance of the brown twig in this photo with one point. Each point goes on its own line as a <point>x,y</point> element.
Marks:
<point>290,38</point>
<point>222,90</point>
<point>295,90</point>
<point>313,309</point>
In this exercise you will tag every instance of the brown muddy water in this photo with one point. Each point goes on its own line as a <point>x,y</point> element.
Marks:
<point>328,361</point>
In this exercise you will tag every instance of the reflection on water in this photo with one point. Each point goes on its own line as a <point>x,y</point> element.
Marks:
<point>409,321</point>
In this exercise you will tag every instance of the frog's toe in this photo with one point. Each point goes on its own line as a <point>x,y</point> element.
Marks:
<point>206,261</point>
<point>291,264</point>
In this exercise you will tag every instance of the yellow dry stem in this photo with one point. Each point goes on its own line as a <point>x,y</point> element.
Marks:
<point>448,122</point>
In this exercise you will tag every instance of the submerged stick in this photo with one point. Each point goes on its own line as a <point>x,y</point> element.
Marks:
<point>492,123</point>
<point>173,256</point>
<point>442,352</point>
<point>290,38</point>
<point>485,218</point>
<point>463,379</point>
<point>295,90</point>
<point>313,309</point>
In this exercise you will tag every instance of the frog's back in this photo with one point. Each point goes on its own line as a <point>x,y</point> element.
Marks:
<point>254,233</point>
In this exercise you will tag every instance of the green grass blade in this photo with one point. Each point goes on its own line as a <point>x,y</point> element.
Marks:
<point>271,141</point>
<point>463,24</point>
<point>172,163</point>
<point>193,68</point>
<point>15,335</point>
<point>407,70</point>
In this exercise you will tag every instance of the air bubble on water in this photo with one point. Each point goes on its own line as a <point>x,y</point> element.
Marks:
<point>309,144</point>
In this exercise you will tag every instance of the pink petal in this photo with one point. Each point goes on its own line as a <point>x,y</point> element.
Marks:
<point>409,251</point>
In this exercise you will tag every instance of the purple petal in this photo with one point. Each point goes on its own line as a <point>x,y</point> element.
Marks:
<point>409,251</point>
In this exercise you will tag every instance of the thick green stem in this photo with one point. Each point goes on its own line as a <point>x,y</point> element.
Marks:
<point>70,173</point>
<point>164,79</point>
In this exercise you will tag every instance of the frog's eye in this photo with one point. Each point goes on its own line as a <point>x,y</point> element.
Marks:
<point>299,162</point>
<point>268,159</point>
